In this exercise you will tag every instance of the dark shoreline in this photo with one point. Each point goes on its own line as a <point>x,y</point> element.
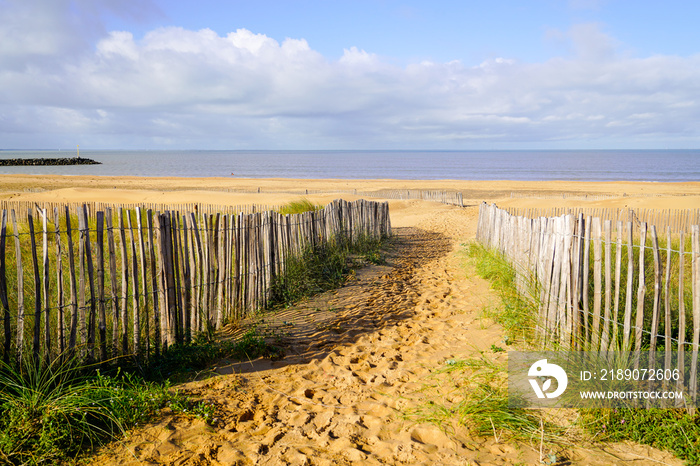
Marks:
<point>47,161</point>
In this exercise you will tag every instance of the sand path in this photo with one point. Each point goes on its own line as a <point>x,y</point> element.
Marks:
<point>358,360</point>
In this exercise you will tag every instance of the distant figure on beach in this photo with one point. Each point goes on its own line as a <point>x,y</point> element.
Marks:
<point>232,174</point>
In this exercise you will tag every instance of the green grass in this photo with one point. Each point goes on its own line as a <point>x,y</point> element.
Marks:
<point>323,267</point>
<point>666,429</point>
<point>298,207</point>
<point>51,413</point>
<point>483,408</point>
<point>54,412</point>
<point>515,313</point>
<point>185,361</point>
<point>673,430</point>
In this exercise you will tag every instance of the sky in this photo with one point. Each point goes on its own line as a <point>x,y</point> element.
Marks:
<point>361,74</point>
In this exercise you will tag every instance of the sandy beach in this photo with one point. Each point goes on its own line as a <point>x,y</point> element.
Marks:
<point>235,191</point>
<point>359,358</point>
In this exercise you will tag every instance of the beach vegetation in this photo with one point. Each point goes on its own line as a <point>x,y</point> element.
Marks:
<point>53,411</point>
<point>322,267</point>
<point>478,397</point>
<point>185,362</point>
<point>299,206</point>
<point>671,429</point>
<point>515,312</point>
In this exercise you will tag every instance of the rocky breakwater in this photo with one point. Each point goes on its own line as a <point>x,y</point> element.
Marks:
<point>47,161</point>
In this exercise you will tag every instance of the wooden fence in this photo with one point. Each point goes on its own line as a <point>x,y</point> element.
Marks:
<point>445,197</point>
<point>21,208</point>
<point>134,281</point>
<point>584,196</point>
<point>677,219</point>
<point>589,293</point>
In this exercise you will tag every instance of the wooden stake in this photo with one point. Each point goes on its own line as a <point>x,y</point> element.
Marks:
<point>144,283</point>
<point>618,265</point>
<point>154,286</point>
<point>681,311</point>
<point>47,304</point>
<point>113,281</point>
<point>125,285</point>
<point>3,289</point>
<point>102,324</point>
<point>37,289</point>
<point>696,311</point>
<point>20,290</point>
<point>640,297</point>
<point>626,345</point>
<point>73,286</point>
<point>657,297</point>
<point>85,238</point>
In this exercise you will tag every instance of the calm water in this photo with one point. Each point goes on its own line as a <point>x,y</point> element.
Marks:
<point>593,165</point>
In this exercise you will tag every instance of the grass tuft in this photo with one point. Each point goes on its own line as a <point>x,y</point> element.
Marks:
<point>183,362</point>
<point>516,314</point>
<point>46,413</point>
<point>666,429</point>
<point>481,389</point>
<point>323,267</point>
<point>50,413</point>
<point>298,207</point>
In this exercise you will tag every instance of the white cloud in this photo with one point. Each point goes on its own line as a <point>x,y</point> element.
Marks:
<point>245,89</point>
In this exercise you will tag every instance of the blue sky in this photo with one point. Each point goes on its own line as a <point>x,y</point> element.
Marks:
<point>537,74</point>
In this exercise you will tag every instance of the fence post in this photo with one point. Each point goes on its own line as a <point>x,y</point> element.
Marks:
<point>626,345</point>
<point>101,285</point>
<point>37,289</point>
<point>618,263</point>
<point>154,286</point>
<point>3,289</point>
<point>125,285</point>
<point>91,284</point>
<point>695,246</point>
<point>47,304</point>
<point>73,285</point>
<point>111,248</point>
<point>597,285</point>
<point>144,281</point>
<point>657,297</point>
<point>681,311</point>
<point>136,307</point>
<point>667,304</point>
<point>640,297</point>
<point>20,289</point>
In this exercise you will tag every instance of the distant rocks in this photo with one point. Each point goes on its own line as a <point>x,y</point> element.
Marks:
<point>52,161</point>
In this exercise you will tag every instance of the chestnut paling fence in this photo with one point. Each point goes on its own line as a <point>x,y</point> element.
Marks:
<point>132,281</point>
<point>677,219</point>
<point>604,286</point>
<point>22,208</point>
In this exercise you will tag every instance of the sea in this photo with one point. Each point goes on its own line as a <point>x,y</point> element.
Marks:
<point>522,165</point>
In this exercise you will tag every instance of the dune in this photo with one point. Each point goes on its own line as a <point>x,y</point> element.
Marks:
<point>361,357</point>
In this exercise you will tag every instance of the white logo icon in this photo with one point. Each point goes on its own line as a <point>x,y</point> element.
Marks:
<point>542,368</point>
